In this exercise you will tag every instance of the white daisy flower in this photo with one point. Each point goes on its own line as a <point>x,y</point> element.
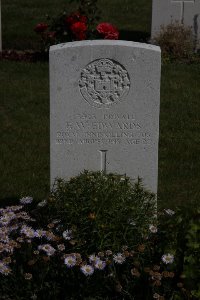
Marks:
<point>5,220</point>
<point>4,239</point>
<point>50,236</point>
<point>14,208</point>
<point>23,215</point>
<point>168,258</point>
<point>13,227</point>
<point>9,249</point>
<point>153,228</point>
<point>2,210</point>
<point>26,200</point>
<point>40,233</point>
<point>119,258</point>
<point>70,261</point>
<point>93,258</point>
<point>67,234</point>
<point>11,215</point>
<point>87,270</point>
<point>47,248</point>
<point>4,230</point>
<point>61,247</point>
<point>42,203</point>
<point>169,212</point>
<point>4,269</point>
<point>28,231</point>
<point>100,264</point>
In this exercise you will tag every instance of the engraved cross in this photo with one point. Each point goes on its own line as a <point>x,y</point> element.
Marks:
<point>103,160</point>
<point>182,3</point>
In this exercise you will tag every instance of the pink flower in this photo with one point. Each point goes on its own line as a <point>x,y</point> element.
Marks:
<point>108,31</point>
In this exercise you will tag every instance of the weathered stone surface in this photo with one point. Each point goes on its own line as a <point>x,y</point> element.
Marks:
<point>186,12</point>
<point>104,109</point>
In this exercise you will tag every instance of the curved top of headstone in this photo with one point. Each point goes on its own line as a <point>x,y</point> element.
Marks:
<point>104,43</point>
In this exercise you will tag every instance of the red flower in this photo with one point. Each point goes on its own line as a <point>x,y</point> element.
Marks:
<point>41,27</point>
<point>79,30</point>
<point>108,31</point>
<point>76,17</point>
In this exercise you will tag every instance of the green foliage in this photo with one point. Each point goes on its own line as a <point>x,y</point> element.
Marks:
<point>192,255</point>
<point>103,209</point>
<point>106,216</point>
<point>18,21</point>
<point>91,9</point>
<point>67,27</point>
<point>103,215</point>
<point>176,42</point>
<point>180,234</point>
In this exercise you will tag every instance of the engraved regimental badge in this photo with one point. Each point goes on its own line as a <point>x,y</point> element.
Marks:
<point>104,82</point>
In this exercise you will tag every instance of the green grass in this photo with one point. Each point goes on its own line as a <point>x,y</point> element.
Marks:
<point>179,163</point>
<point>19,17</point>
<point>24,131</point>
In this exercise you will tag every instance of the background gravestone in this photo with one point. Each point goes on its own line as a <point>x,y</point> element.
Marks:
<point>104,109</point>
<point>186,12</point>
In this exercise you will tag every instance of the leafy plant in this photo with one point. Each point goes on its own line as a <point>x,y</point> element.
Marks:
<point>79,25</point>
<point>115,212</point>
<point>176,41</point>
<point>96,237</point>
<point>192,255</point>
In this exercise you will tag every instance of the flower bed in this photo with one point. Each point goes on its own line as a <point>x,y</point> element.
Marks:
<point>77,26</point>
<point>95,237</point>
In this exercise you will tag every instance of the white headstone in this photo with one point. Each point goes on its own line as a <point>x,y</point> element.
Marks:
<point>104,109</point>
<point>186,12</point>
<point>0,30</point>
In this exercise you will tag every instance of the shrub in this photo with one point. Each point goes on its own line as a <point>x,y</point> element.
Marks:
<point>191,269</point>
<point>109,206</point>
<point>176,41</point>
<point>77,26</point>
<point>95,237</point>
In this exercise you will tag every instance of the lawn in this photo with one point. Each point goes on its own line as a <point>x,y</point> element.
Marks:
<point>19,18</point>
<point>24,106</point>
<point>24,130</point>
